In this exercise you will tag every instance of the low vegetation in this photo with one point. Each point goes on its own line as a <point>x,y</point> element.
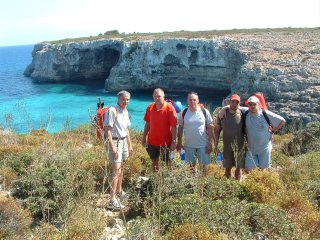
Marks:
<point>49,181</point>
<point>114,34</point>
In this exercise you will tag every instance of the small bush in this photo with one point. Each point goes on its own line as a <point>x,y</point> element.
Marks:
<point>14,221</point>
<point>305,140</point>
<point>223,188</point>
<point>263,186</point>
<point>85,222</point>
<point>269,221</point>
<point>304,214</point>
<point>189,231</point>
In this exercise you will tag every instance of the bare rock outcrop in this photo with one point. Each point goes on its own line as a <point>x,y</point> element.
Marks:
<point>284,64</point>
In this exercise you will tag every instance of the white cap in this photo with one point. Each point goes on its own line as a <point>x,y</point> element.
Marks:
<point>253,99</point>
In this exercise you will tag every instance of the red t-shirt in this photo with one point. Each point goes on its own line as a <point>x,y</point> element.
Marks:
<point>161,121</point>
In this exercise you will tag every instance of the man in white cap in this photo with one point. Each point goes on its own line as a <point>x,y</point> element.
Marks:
<point>260,126</point>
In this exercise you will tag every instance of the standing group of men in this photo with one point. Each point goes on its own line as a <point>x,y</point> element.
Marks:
<point>160,134</point>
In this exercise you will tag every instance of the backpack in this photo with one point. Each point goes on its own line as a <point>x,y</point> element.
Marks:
<point>244,115</point>
<point>264,107</point>
<point>167,101</point>
<point>203,110</point>
<point>99,119</point>
<point>262,100</point>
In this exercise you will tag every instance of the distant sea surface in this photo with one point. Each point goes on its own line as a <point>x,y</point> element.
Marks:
<point>26,105</point>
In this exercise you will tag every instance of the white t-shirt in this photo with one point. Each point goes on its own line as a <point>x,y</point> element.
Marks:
<point>119,120</point>
<point>258,132</point>
<point>194,124</point>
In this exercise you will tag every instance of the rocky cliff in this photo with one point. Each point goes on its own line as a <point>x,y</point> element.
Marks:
<point>285,65</point>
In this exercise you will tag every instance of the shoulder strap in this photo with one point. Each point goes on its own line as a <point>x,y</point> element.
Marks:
<point>183,114</point>
<point>266,117</point>
<point>204,112</point>
<point>115,111</point>
<point>243,116</point>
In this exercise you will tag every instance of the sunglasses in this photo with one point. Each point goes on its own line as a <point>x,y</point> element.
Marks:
<point>252,104</point>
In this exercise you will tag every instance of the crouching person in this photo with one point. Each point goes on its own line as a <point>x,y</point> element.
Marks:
<point>116,125</point>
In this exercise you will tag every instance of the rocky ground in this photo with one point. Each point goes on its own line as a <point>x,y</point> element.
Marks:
<point>285,66</point>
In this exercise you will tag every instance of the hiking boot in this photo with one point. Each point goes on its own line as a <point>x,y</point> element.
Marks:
<point>122,195</point>
<point>114,205</point>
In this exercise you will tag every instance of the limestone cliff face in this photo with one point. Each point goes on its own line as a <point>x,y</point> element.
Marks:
<point>177,65</point>
<point>284,65</point>
<point>73,61</point>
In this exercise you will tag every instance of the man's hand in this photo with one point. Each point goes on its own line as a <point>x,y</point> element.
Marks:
<point>216,150</point>
<point>173,146</point>
<point>130,149</point>
<point>114,153</point>
<point>179,146</point>
<point>144,142</point>
<point>209,148</point>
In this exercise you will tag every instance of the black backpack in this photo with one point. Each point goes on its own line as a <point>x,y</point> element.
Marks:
<point>244,115</point>
<point>202,110</point>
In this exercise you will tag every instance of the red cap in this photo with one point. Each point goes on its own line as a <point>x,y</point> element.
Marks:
<point>235,97</point>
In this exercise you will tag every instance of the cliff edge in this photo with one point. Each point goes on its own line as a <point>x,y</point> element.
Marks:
<point>285,65</point>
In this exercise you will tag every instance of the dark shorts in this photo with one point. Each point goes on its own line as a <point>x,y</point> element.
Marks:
<point>157,152</point>
<point>233,158</point>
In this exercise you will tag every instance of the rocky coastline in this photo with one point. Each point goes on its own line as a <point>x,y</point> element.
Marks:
<point>284,65</point>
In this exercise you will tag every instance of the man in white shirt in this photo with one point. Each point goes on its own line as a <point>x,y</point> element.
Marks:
<point>116,125</point>
<point>197,125</point>
<point>259,134</point>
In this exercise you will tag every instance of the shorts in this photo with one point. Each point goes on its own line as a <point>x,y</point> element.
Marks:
<point>122,150</point>
<point>261,160</point>
<point>193,153</point>
<point>156,152</point>
<point>233,159</point>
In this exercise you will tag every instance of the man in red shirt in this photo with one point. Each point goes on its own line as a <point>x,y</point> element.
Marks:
<point>160,129</point>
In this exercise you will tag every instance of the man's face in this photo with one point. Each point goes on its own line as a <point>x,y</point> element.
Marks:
<point>158,97</point>
<point>234,105</point>
<point>253,107</point>
<point>123,101</point>
<point>193,101</point>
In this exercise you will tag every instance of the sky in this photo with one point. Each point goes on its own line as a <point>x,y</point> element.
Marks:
<point>32,21</point>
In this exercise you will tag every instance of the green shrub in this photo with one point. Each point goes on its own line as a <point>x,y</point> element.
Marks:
<point>305,140</point>
<point>189,231</point>
<point>304,175</point>
<point>223,188</point>
<point>269,221</point>
<point>235,219</point>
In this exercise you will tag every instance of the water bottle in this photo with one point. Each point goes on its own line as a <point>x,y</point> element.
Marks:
<point>219,159</point>
<point>182,154</point>
<point>171,155</point>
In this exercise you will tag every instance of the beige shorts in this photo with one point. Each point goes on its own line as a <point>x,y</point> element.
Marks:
<point>122,150</point>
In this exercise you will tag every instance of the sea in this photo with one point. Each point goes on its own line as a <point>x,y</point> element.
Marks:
<point>26,105</point>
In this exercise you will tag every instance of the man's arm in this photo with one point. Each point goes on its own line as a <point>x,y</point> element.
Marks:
<point>210,138</point>
<point>217,130</point>
<point>280,125</point>
<point>180,134</point>
<point>145,133</point>
<point>129,141</point>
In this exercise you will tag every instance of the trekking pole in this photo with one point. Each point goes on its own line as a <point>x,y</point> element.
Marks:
<point>99,101</point>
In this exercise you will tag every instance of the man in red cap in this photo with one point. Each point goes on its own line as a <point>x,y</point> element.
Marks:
<point>233,138</point>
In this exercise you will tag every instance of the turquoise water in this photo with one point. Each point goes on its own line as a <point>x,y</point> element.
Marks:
<point>26,105</point>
